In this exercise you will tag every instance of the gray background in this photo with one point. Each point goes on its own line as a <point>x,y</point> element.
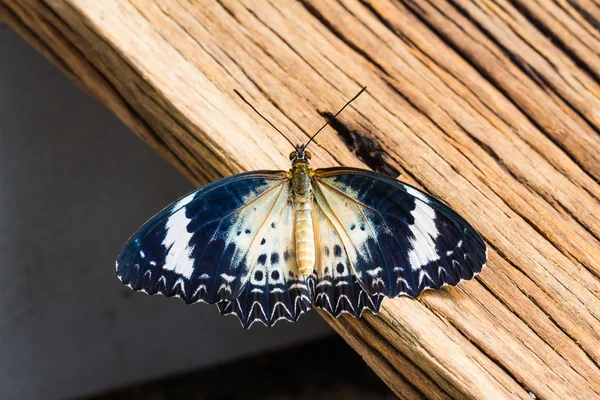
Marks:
<point>74,184</point>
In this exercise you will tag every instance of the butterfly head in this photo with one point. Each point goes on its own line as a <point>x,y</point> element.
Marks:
<point>300,155</point>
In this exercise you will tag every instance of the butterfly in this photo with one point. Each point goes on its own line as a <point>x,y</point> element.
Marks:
<point>269,245</point>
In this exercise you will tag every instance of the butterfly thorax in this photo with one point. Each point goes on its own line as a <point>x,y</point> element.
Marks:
<point>301,174</point>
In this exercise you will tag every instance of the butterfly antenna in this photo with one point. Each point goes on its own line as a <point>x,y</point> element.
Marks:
<point>268,122</point>
<point>336,114</point>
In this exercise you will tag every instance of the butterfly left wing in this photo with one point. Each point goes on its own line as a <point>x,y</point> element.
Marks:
<point>213,245</point>
<point>274,290</point>
<point>383,238</point>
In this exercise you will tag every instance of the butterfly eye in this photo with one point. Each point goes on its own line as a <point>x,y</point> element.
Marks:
<point>308,155</point>
<point>292,155</point>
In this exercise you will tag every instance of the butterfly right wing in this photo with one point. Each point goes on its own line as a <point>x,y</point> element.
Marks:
<point>335,286</point>
<point>389,239</point>
<point>204,246</point>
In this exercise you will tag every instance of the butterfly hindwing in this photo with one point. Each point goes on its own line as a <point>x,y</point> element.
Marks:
<point>274,290</point>
<point>336,288</point>
<point>398,240</point>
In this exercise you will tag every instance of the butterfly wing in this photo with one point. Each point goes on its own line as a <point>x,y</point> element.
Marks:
<point>388,239</point>
<point>213,244</point>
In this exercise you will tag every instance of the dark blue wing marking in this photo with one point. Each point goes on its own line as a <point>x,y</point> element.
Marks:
<point>396,239</point>
<point>197,247</point>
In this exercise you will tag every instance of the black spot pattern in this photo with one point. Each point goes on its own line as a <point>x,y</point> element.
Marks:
<point>274,258</point>
<point>262,259</point>
<point>337,250</point>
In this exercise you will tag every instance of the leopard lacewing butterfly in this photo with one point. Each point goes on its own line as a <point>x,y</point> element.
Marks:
<point>268,245</point>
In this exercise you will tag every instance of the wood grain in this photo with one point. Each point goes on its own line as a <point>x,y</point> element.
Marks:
<point>491,106</point>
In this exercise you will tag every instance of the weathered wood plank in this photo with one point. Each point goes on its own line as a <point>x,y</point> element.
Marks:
<point>491,106</point>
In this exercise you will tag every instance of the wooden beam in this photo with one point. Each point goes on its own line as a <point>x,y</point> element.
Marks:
<point>494,107</point>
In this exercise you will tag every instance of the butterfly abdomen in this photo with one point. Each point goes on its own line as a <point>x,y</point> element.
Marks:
<point>305,241</point>
<point>303,224</point>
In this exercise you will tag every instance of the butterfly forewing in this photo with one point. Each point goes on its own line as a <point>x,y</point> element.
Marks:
<point>202,247</point>
<point>397,240</point>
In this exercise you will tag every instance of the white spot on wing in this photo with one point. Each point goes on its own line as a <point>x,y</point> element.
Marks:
<point>179,259</point>
<point>417,194</point>
<point>375,271</point>
<point>226,278</point>
<point>298,286</point>
<point>424,231</point>
<point>184,201</point>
